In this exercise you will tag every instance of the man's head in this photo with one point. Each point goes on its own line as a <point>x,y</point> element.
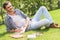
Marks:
<point>8,7</point>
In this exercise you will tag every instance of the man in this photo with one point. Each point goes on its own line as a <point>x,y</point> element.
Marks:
<point>17,21</point>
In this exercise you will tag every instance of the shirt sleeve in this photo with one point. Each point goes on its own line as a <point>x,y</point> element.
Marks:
<point>22,13</point>
<point>9,24</point>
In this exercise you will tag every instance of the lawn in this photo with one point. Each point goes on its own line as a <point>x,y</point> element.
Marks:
<point>51,34</point>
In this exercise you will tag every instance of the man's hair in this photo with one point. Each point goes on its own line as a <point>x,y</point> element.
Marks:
<point>5,4</point>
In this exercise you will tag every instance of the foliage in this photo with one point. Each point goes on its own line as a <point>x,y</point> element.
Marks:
<point>30,7</point>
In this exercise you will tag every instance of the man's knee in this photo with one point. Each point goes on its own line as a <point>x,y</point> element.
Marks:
<point>42,7</point>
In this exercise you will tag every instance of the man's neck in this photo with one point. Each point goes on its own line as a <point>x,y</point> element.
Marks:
<point>11,13</point>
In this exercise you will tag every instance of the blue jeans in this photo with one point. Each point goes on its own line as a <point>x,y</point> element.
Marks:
<point>37,22</point>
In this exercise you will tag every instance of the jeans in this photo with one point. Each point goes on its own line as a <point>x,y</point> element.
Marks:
<point>37,22</point>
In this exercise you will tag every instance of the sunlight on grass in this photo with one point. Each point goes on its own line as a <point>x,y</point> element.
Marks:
<point>51,34</point>
<point>56,16</point>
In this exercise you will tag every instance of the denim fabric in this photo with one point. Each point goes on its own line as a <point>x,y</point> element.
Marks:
<point>37,22</point>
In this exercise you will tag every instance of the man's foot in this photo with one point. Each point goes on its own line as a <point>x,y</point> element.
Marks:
<point>54,25</point>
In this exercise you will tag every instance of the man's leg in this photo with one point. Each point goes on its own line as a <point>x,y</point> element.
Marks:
<point>44,11</point>
<point>37,17</point>
<point>47,15</point>
<point>35,24</point>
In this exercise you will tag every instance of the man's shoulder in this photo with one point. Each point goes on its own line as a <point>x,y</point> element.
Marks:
<point>7,17</point>
<point>17,10</point>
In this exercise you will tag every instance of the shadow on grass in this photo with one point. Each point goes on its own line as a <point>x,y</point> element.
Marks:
<point>42,30</point>
<point>3,34</point>
<point>37,30</point>
<point>45,30</point>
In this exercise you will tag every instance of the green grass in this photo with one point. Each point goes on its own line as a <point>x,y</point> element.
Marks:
<point>51,34</point>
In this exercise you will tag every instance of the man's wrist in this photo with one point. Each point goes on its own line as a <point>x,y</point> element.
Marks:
<point>12,30</point>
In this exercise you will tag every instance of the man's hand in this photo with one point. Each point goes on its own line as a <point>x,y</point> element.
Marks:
<point>27,22</point>
<point>18,30</point>
<point>12,30</point>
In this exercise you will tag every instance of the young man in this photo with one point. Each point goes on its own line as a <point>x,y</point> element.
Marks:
<point>17,21</point>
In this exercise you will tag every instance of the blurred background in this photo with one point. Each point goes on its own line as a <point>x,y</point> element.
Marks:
<point>29,6</point>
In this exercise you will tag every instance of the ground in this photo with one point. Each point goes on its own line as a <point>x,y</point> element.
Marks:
<point>51,34</point>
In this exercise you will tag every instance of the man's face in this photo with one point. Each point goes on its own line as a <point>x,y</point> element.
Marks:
<point>9,7</point>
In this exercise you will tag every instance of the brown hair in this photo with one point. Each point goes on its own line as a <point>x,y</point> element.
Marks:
<point>5,4</point>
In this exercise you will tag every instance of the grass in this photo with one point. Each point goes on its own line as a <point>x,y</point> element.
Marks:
<point>51,34</point>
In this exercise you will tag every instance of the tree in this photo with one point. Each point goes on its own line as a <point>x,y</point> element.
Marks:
<point>31,6</point>
<point>59,4</point>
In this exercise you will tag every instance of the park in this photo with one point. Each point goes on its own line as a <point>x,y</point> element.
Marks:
<point>30,7</point>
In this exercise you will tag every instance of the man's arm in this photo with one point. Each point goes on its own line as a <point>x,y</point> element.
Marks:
<point>12,30</point>
<point>26,17</point>
<point>22,30</point>
<point>27,22</point>
<point>10,26</point>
